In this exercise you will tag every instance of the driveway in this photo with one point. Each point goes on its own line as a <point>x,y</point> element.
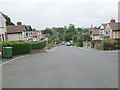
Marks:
<point>63,67</point>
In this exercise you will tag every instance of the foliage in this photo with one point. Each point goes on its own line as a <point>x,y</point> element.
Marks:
<point>18,47</point>
<point>86,37</point>
<point>80,42</point>
<point>77,35</point>
<point>70,33</point>
<point>59,31</point>
<point>48,31</point>
<point>108,45</point>
<point>38,45</point>
<point>8,20</point>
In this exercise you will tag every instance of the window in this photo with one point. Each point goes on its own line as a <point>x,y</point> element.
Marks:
<point>26,34</point>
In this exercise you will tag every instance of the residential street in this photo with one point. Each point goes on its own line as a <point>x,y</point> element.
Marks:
<point>63,67</point>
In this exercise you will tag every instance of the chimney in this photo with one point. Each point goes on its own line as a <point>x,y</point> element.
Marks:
<point>19,23</point>
<point>112,21</point>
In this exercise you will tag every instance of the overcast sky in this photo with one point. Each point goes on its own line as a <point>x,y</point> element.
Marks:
<point>47,13</point>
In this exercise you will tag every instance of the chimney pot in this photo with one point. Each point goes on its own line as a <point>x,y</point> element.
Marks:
<point>19,23</point>
<point>112,21</point>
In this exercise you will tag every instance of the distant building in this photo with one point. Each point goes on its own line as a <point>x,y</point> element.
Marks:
<point>95,37</point>
<point>36,35</point>
<point>3,34</point>
<point>95,34</point>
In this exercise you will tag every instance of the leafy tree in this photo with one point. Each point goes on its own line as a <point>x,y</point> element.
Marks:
<point>48,31</point>
<point>70,33</point>
<point>59,31</point>
<point>8,20</point>
<point>86,37</point>
<point>79,29</point>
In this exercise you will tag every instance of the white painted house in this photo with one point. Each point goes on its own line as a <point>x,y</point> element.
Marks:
<point>103,32</point>
<point>3,35</point>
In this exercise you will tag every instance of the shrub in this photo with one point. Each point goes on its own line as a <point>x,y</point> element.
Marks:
<point>39,45</point>
<point>18,47</point>
<point>106,45</point>
<point>80,43</point>
<point>109,45</point>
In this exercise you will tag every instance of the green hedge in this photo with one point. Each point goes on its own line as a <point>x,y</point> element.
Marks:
<point>18,47</point>
<point>39,45</point>
<point>108,46</point>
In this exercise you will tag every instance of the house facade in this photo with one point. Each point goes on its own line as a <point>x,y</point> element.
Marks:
<point>3,34</point>
<point>110,30</point>
<point>36,36</point>
<point>19,32</point>
<point>103,32</point>
<point>114,30</point>
<point>95,35</point>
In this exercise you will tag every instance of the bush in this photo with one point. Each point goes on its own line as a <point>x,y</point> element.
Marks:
<point>80,43</point>
<point>99,47</point>
<point>109,45</point>
<point>39,45</point>
<point>18,47</point>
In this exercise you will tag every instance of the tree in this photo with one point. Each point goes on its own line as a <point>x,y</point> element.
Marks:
<point>8,20</point>
<point>48,31</point>
<point>70,33</point>
<point>86,37</point>
<point>79,29</point>
<point>59,31</point>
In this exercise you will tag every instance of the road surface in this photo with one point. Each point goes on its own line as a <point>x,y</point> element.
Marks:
<point>64,67</point>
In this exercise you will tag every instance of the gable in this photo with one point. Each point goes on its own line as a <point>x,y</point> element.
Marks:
<point>108,27</point>
<point>101,27</point>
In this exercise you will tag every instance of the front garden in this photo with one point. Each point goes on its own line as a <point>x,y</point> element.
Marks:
<point>109,45</point>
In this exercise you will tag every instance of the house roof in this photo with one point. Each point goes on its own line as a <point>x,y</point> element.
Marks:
<point>94,31</point>
<point>115,26</point>
<point>18,28</point>
<point>35,33</point>
<point>104,25</point>
<point>15,28</point>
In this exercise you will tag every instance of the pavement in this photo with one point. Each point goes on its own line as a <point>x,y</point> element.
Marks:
<point>63,67</point>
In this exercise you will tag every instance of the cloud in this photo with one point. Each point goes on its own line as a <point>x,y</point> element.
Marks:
<point>48,13</point>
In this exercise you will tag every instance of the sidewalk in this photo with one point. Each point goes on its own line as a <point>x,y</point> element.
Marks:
<point>3,60</point>
<point>93,49</point>
<point>35,51</point>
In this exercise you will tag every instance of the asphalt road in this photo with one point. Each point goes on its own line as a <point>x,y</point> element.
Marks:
<point>64,67</point>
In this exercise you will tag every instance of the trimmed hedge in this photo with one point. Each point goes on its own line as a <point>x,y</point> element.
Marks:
<point>18,47</point>
<point>39,45</point>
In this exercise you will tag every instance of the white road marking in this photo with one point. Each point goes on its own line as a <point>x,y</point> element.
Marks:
<point>23,57</point>
<point>13,60</point>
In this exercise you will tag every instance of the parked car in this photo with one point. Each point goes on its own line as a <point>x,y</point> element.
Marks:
<point>67,43</point>
<point>63,43</point>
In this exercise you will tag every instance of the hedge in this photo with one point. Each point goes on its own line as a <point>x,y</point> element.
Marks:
<point>38,45</point>
<point>18,47</point>
<point>108,46</point>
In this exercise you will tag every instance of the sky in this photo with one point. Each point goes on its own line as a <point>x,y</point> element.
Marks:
<point>53,13</point>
